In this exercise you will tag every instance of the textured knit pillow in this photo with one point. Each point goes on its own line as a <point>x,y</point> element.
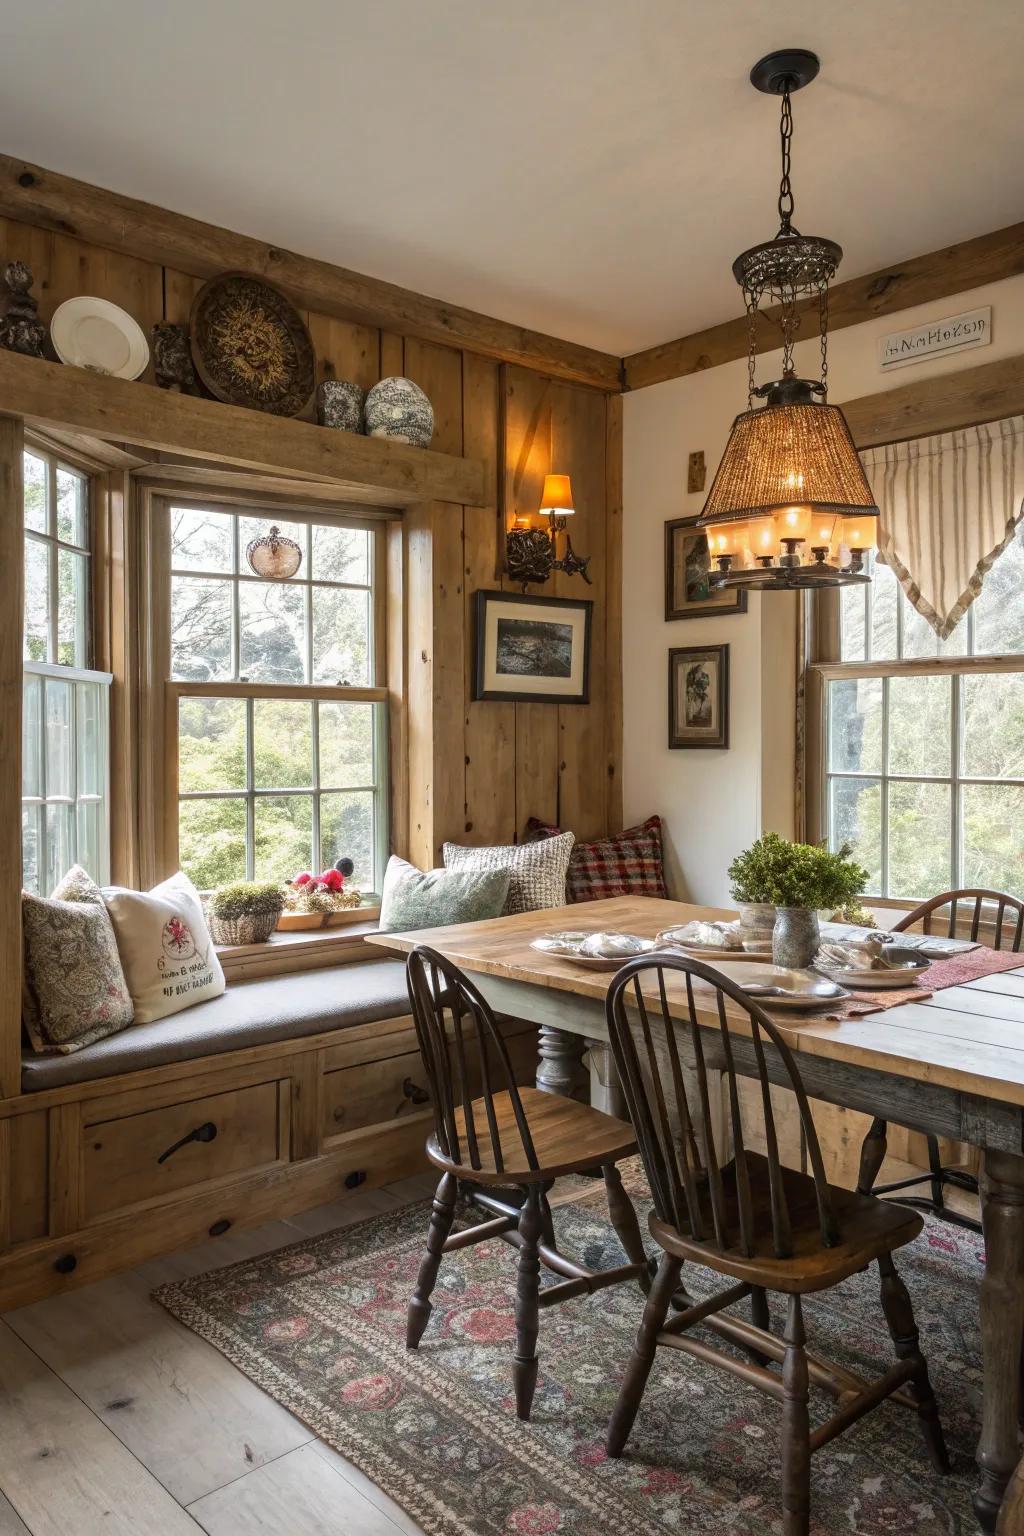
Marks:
<point>536,870</point>
<point>73,988</point>
<point>414,898</point>
<point>627,865</point>
<point>165,946</point>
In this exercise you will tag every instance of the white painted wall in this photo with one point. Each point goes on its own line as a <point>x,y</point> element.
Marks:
<point>711,801</point>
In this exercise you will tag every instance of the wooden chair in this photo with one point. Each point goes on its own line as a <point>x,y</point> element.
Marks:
<point>740,1213</point>
<point>508,1136</point>
<point>1009,911</point>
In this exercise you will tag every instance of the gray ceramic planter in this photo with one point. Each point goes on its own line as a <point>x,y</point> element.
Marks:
<point>796,937</point>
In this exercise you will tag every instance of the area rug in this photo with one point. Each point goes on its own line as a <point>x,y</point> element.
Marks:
<point>320,1326</point>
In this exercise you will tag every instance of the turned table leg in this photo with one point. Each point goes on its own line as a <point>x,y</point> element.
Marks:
<point>1002,1329</point>
<point>560,1068</point>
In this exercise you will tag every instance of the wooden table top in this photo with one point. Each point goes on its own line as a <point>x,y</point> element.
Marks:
<point>970,1038</point>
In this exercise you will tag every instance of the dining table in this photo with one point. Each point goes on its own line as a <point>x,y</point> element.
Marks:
<point>951,1064</point>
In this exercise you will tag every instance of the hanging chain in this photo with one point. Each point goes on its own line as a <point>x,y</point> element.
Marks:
<point>785,188</point>
<point>823,330</point>
<point>751,297</point>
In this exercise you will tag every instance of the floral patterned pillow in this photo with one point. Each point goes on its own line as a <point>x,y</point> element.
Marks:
<point>73,990</point>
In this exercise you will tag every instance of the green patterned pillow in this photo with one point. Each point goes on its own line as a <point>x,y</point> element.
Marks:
<point>414,899</point>
<point>74,991</point>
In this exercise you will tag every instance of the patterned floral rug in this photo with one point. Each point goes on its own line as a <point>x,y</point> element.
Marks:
<point>320,1326</point>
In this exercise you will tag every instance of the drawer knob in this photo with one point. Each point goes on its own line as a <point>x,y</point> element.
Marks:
<point>414,1093</point>
<point>353,1180</point>
<point>205,1132</point>
<point>66,1264</point>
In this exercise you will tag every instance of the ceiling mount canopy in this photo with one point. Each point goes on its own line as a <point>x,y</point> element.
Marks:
<point>790,505</point>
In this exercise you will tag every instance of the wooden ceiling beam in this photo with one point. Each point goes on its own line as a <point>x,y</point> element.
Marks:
<point>940,404</point>
<point>51,201</point>
<point>972,263</point>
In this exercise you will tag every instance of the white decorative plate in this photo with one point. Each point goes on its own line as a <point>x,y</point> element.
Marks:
<point>566,945</point>
<point>774,986</point>
<point>92,333</point>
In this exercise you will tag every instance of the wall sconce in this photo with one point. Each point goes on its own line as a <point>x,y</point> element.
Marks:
<point>531,554</point>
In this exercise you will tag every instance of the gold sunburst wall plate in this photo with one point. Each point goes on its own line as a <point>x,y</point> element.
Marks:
<point>250,345</point>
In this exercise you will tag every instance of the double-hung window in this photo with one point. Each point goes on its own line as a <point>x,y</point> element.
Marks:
<point>65,729</point>
<point>277,704</point>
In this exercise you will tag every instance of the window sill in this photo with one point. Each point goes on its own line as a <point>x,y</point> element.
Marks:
<point>302,950</point>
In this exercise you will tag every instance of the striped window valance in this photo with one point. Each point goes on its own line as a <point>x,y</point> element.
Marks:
<point>949,506</point>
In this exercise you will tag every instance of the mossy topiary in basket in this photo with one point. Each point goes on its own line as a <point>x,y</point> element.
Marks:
<point>245,913</point>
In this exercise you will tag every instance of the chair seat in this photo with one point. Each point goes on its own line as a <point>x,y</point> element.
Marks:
<point>567,1137</point>
<point>868,1227</point>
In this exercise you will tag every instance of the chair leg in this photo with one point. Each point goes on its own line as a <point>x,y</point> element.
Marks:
<point>441,1218</point>
<point>796,1428</point>
<point>642,1358</point>
<point>937,1179</point>
<point>899,1314</point>
<point>524,1369</point>
<point>627,1227</point>
<point>872,1156</point>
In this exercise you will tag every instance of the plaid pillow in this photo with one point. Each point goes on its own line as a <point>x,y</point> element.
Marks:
<point>627,865</point>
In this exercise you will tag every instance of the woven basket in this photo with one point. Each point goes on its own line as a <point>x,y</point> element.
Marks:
<point>252,928</point>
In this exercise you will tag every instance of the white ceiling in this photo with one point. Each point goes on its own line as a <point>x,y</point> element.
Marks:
<point>583,167</point>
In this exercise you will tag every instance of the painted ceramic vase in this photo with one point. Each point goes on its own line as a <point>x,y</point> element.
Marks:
<point>399,409</point>
<point>757,923</point>
<point>339,404</point>
<point>796,937</point>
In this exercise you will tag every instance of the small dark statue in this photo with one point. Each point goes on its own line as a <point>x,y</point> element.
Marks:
<point>172,360</point>
<point>21,329</point>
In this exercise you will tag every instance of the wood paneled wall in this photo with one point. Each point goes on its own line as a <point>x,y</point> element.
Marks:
<point>474,771</point>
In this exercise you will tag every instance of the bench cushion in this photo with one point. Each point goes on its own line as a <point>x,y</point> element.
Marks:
<point>248,1013</point>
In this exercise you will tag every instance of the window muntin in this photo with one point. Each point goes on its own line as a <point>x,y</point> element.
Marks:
<point>57,628</point>
<point>281,724</point>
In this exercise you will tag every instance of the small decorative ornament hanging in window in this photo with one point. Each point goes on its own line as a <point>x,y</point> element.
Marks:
<point>273,556</point>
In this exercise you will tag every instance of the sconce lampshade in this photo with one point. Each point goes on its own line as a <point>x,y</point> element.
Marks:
<point>556,496</point>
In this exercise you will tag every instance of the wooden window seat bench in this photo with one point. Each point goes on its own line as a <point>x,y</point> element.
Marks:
<point>284,1093</point>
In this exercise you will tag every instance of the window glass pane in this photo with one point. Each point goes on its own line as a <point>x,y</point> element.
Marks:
<point>30,847</point>
<point>346,745</point>
<point>35,493</point>
<point>851,622</point>
<point>60,779</point>
<point>60,844</point>
<point>919,639</point>
<point>341,554</point>
<point>282,744</point>
<point>998,610</point>
<point>71,507</point>
<point>993,835</point>
<point>72,609</point>
<point>90,852</point>
<point>992,727</point>
<point>250,528</point>
<point>920,863</point>
<point>32,737</point>
<point>284,836</point>
<point>346,832</point>
<point>91,733</point>
<point>855,725</point>
<point>341,630</point>
<point>37,601</point>
<point>885,593</point>
<point>200,629</point>
<point>272,632</point>
<point>201,540</point>
<point>211,841</point>
<point>855,817</point>
<point>919,725</point>
<point>211,744</point>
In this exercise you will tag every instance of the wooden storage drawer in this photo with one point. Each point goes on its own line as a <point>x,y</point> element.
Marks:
<point>121,1159</point>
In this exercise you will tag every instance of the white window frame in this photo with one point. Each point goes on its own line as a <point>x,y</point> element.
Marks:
<point>37,804</point>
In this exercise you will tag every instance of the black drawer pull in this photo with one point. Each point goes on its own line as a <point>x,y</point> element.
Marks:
<point>414,1093</point>
<point>220,1227</point>
<point>66,1264</point>
<point>353,1180</point>
<point>205,1132</point>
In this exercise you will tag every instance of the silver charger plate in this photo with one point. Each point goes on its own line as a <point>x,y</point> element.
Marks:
<point>888,978</point>
<point>775,986</point>
<point>665,940</point>
<point>566,945</point>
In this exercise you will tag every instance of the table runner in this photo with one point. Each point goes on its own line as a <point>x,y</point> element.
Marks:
<point>957,971</point>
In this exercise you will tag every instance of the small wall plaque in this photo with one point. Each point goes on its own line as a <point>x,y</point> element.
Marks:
<point>957,333</point>
<point>696,473</point>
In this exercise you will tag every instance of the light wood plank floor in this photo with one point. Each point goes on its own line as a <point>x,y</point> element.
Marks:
<point>117,1421</point>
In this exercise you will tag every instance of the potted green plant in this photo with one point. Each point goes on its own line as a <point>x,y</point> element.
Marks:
<point>245,912</point>
<point>798,880</point>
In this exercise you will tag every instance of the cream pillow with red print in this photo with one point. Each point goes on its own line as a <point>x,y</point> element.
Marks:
<point>167,955</point>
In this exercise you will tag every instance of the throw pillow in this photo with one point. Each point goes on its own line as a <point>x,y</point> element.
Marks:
<point>627,865</point>
<point>414,898</point>
<point>536,870</point>
<point>165,946</point>
<point>73,986</point>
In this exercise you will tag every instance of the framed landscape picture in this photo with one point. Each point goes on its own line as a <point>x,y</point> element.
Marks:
<point>534,649</point>
<point>698,696</point>
<point>687,565</point>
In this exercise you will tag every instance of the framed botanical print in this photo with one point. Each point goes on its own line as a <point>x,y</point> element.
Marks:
<point>688,594</point>
<point>532,649</point>
<point>698,696</point>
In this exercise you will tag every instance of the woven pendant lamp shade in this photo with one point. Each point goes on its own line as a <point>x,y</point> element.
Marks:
<point>781,454</point>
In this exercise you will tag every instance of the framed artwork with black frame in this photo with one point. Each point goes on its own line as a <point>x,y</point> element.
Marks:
<point>698,696</point>
<point>532,649</point>
<point>688,594</point>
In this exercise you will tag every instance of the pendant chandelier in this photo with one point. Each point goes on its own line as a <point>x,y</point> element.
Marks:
<point>790,505</point>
